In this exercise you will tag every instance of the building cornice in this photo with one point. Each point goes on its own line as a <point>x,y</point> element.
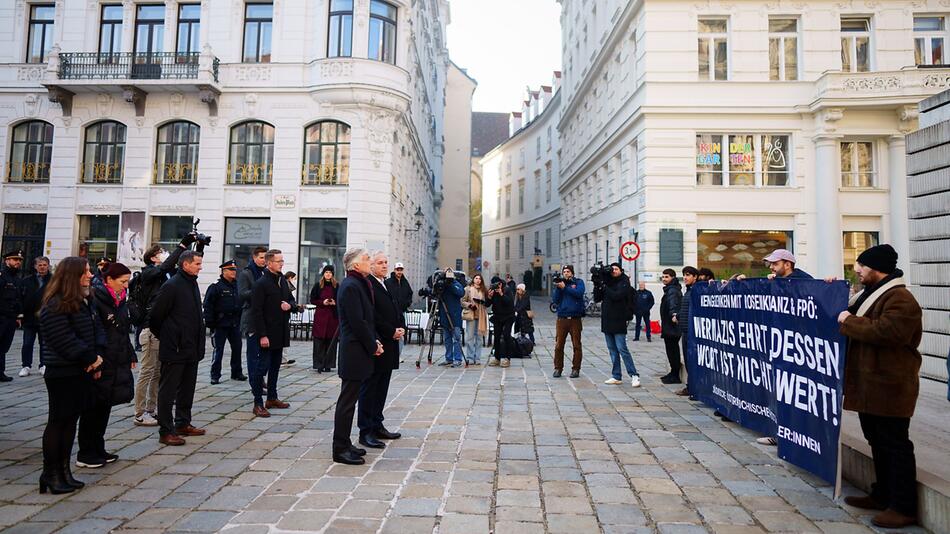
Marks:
<point>522,225</point>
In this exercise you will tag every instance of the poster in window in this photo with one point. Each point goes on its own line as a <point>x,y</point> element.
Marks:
<point>775,159</point>
<point>741,160</point>
<point>132,239</point>
<point>708,159</point>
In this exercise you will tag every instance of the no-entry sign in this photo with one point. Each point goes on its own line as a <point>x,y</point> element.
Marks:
<point>630,251</point>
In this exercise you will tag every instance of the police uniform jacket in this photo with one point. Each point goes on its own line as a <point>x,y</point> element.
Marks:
<point>222,305</point>
<point>11,303</point>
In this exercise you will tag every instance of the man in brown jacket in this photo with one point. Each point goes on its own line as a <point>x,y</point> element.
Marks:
<point>883,326</point>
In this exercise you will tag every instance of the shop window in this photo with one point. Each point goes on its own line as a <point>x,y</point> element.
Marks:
<point>322,243</point>
<point>742,159</point>
<point>857,164</point>
<point>242,236</point>
<point>930,38</point>
<point>729,252</point>
<point>855,44</point>
<point>25,232</point>
<point>99,234</point>
<point>783,48</point>
<point>854,243</point>
<point>30,152</point>
<point>168,231</point>
<point>713,49</point>
<point>176,157</point>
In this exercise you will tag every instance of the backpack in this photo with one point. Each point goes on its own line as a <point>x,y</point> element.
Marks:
<point>524,346</point>
<point>138,301</point>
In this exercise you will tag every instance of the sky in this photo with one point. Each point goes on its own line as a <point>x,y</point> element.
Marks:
<point>505,45</point>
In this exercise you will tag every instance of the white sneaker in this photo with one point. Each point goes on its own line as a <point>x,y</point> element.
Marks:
<point>43,370</point>
<point>766,441</point>
<point>613,381</point>
<point>635,381</point>
<point>145,419</point>
<point>24,372</point>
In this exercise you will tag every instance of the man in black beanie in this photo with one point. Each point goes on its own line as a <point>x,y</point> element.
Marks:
<point>883,326</point>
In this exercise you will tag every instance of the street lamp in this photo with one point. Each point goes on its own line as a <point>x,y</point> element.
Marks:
<point>418,215</point>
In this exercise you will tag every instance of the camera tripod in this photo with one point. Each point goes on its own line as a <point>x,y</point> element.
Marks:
<point>433,307</point>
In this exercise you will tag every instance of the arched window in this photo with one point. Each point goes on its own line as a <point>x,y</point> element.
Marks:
<point>104,153</point>
<point>326,154</point>
<point>251,159</point>
<point>30,152</point>
<point>176,157</point>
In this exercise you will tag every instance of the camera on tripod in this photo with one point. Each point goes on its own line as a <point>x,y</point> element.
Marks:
<point>437,283</point>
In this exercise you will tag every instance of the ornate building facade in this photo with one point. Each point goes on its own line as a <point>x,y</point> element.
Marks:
<point>303,126</point>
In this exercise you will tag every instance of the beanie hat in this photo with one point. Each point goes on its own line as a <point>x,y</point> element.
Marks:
<point>115,270</point>
<point>882,258</point>
<point>327,268</point>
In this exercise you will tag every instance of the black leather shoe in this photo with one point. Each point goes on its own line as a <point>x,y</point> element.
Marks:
<point>348,457</point>
<point>557,373</point>
<point>5,378</point>
<point>239,378</point>
<point>382,433</point>
<point>357,451</point>
<point>215,381</point>
<point>671,379</point>
<point>371,442</point>
<point>575,374</point>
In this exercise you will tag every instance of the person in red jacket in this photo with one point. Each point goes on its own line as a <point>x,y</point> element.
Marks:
<point>325,321</point>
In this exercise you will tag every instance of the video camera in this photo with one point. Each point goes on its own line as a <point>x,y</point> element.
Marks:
<point>436,284</point>
<point>201,240</point>
<point>599,274</point>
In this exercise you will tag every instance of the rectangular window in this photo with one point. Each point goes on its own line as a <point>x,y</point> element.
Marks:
<point>857,164</point>
<point>498,206</point>
<point>508,166</point>
<point>854,243</point>
<point>340,43</point>
<point>507,201</point>
<point>671,246</point>
<point>930,34</point>
<point>521,196</point>
<point>167,231</point>
<point>549,138</point>
<point>521,158</point>
<point>783,48</point>
<point>243,235</point>
<point>855,44</point>
<point>521,247</point>
<point>100,233</point>
<point>713,49</point>
<point>382,31</point>
<point>537,241</point>
<point>40,38</point>
<point>189,29</point>
<point>149,30</point>
<point>537,189</point>
<point>322,243</point>
<point>537,148</point>
<point>25,232</point>
<point>497,249</point>
<point>110,31</point>
<point>258,26</point>
<point>729,252</point>
<point>507,248</point>
<point>547,182</point>
<point>547,243</point>
<point>752,159</point>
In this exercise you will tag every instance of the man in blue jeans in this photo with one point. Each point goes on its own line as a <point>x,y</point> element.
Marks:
<point>645,303</point>
<point>450,308</point>
<point>616,312</point>
<point>32,288</point>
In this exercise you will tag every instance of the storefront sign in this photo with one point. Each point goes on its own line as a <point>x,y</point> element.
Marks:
<point>247,231</point>
<point>285,202</point>
<point>708,153</point>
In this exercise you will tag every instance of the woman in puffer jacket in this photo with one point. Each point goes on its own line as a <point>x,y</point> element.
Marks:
<point>115,386</point>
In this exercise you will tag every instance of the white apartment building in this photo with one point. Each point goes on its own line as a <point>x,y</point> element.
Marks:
<point>304,126</point>
<point>713,132</point>
<point>520,201</point>
<point>453,232</point>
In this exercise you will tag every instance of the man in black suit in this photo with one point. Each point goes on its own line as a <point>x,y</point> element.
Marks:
<point>359,349</point>
<point>176,320</point>
<point>390,327</point>
<point>269,327</point>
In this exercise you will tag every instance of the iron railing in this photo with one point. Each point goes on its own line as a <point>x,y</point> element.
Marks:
<point>325,174</point>
<point>131,66</point>
<point>28,172</point>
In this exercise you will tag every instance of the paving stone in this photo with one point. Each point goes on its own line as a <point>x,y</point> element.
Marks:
<point>156,518</point>
<point>309,521</point>
<point>784,522</point>
<point>120,510</point>
<point>14,513</point>
<point>734,515</point>
<point>403,525</point>
<point>620,514</point>
<point>417,507</point>
<point>571,524</point>
<point>90,526</point>
<point>463,524</point>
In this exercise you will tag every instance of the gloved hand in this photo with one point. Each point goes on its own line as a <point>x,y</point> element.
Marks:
<point>188,240</point>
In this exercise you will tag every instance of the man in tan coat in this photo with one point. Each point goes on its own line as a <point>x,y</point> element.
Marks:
<point>883,326</point>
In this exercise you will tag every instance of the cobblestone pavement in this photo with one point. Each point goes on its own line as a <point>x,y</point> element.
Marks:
<point>483,449</point>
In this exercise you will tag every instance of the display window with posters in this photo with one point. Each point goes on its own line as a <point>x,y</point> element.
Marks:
<point>730,252</point>
<point>242,236</point>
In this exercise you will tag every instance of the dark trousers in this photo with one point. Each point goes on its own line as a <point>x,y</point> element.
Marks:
<point>260,363</point>
<point>138,332</point>
<point>30,336</point>
<point>324,353</point>
<point>373,392</point>
<point>503,344</point>
<point>176,385</point>
<point>683,373</point>
<point>231,334</point>
<point>92,431</point>
<point>566,326</point>
<point>894,465</point>
<point>60,431</point>
<point>7,330</point>
<point>343,416</point>
<point>645,317</point>
<point>673,354</point>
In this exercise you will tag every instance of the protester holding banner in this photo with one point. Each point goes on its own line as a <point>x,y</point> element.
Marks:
<point>669,331</point>
<point>884,326</point>
<point>681,318</point>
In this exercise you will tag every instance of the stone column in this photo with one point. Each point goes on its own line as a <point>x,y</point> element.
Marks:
<point>827,247</point>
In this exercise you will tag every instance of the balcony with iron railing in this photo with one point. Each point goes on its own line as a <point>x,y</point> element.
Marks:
<point>27,173</point>
<point>132,66</point>
<point>325,174</point>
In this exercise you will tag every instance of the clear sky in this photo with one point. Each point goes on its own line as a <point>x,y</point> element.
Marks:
<point>505,45</point>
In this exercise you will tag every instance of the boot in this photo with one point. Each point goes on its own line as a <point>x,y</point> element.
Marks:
<point>54,481</point>
<point>68,474</point>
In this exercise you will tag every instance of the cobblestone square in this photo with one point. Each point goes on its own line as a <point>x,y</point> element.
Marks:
<point>484,449</point>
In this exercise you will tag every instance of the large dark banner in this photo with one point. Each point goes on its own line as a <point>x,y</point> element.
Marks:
<point>767,353</point>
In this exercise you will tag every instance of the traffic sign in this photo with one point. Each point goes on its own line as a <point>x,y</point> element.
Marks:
<point>630,251</point>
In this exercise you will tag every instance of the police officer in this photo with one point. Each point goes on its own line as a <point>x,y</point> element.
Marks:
<point>11,305</point>
<point>222,314</point>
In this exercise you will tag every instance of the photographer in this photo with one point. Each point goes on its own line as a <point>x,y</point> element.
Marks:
<point>615,293</point>
<point>503,306</point>
<point>569,298</point>
<point>450,309</point>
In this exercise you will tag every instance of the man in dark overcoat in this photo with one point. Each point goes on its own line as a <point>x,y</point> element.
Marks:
<point>272,302</point>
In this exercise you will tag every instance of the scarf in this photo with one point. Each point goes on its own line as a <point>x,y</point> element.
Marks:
<point>117,298</point>
<point>369,285</point>
<point>859,305</point>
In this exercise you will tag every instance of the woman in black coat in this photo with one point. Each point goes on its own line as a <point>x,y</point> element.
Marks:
<point>115,386</point>
<point>523,323</point>
<point>69,327</point>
